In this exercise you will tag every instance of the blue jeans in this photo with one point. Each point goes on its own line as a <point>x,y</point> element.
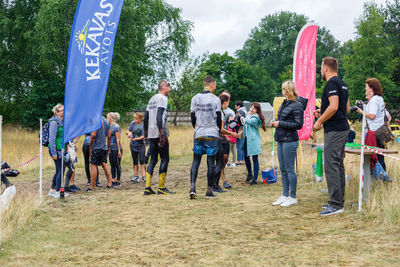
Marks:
<point>377,170</point>
<point>256,164</point>
<point>286,156</point>
<point>56,182</point>
<point>239,148</point>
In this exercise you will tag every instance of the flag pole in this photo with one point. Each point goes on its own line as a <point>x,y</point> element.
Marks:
<point>62,174</point>
<point>41,162</point>
<point>361,162</point>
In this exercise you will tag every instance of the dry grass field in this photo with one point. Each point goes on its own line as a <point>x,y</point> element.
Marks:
<point>121,227</point>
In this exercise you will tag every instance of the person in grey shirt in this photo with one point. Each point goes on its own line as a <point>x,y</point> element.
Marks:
<point>207,122</point>
<point>99,149</point>
<point>136,135</point>
<point>115,148</point>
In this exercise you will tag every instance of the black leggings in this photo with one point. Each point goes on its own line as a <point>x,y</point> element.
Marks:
<point>155,150</point>
<point>86,157</point>
<point>195,169</point>
<point>220,163</point>
<point>115,163</point>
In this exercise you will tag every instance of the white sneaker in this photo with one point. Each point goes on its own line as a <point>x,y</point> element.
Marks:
<point>289,202</point>
<point>233,165</point>
<point>51,193</point>
<point>56,194</point>
<point>280,200</point>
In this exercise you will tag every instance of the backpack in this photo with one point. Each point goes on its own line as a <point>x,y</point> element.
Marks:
<point>45,133</point>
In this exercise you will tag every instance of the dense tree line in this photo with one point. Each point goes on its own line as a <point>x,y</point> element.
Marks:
<point>153,42</point>
<point>152,38</point>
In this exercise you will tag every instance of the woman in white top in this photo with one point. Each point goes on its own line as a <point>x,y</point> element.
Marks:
<point>375,110</point>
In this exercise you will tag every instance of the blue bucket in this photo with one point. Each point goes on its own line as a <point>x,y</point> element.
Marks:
<point>269,176</point>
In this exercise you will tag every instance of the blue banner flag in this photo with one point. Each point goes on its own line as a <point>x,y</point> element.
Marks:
<point>90,53</point>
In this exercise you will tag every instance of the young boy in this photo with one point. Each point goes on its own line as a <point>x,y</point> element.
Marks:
<point>135,133</point>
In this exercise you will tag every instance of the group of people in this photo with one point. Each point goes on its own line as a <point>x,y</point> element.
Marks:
<point>217,130</point>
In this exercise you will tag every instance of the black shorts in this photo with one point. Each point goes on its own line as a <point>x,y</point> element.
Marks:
<point>138,154</point>
<point>224,146</point>
<point>98,157</point>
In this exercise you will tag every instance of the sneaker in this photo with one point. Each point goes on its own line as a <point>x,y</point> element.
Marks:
<point>164,191</point>
<point>148,191</point>
<point>325,206</point>
<point>227,165</point>
<point>280,200</point>
<point>218,189</point>
<point>116,184</point>
<point>210,195</point>
<point>192,194</point>
<point>135,180</point>
<point>89,190</point>
<point>227,185</point>
<point>99,185</point>
<point>330,211</point>
<point>68,189</point>
<point>110,186</point>
<point>253,182</point>
<point>233,165</point>
<point>51,194</point>
<point>88,184</point>
<point>143,179</point>
<point>249,178</point>
<point>289,202</point>
<point>74,187</point>
<point>385,178</point>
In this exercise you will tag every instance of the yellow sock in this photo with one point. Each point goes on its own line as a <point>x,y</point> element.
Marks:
<point>161,183</point>
<point>148,179</point>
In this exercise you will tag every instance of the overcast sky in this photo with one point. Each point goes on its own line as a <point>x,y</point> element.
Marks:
<point>224,25</point>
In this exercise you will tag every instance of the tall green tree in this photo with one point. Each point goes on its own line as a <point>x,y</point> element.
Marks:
<point>271,44</point>
<point>152,39</point>
<point>17,22</point>
<point>371,56</point>
<point>242,80</point>
<point>392,31</point>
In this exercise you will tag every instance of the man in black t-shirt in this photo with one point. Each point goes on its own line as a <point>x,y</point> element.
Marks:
<point>334,106</point>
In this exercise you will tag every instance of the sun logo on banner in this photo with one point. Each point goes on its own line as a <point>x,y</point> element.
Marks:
<point>80,37</point>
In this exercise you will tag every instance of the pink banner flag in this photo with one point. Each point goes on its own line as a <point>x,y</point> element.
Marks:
<point>304,73</point>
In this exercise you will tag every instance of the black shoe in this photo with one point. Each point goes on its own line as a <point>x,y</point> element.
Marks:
<point>112,182</point>
<point>116,184</point>
<point>330,211</point>
<point>68,189</point>
<point>253,182</point>
<point>110,186</point>
<point>210,195</point>
<point>192,194</point>
<point>227,185</point>
<point>74,187</point>
<point>249,178</point>
<point>218,189</point>
<point>164,191</point>
<point>89,190</point>
<point>99,185</point>
<point>148,191</point>
<point>135,180</point>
